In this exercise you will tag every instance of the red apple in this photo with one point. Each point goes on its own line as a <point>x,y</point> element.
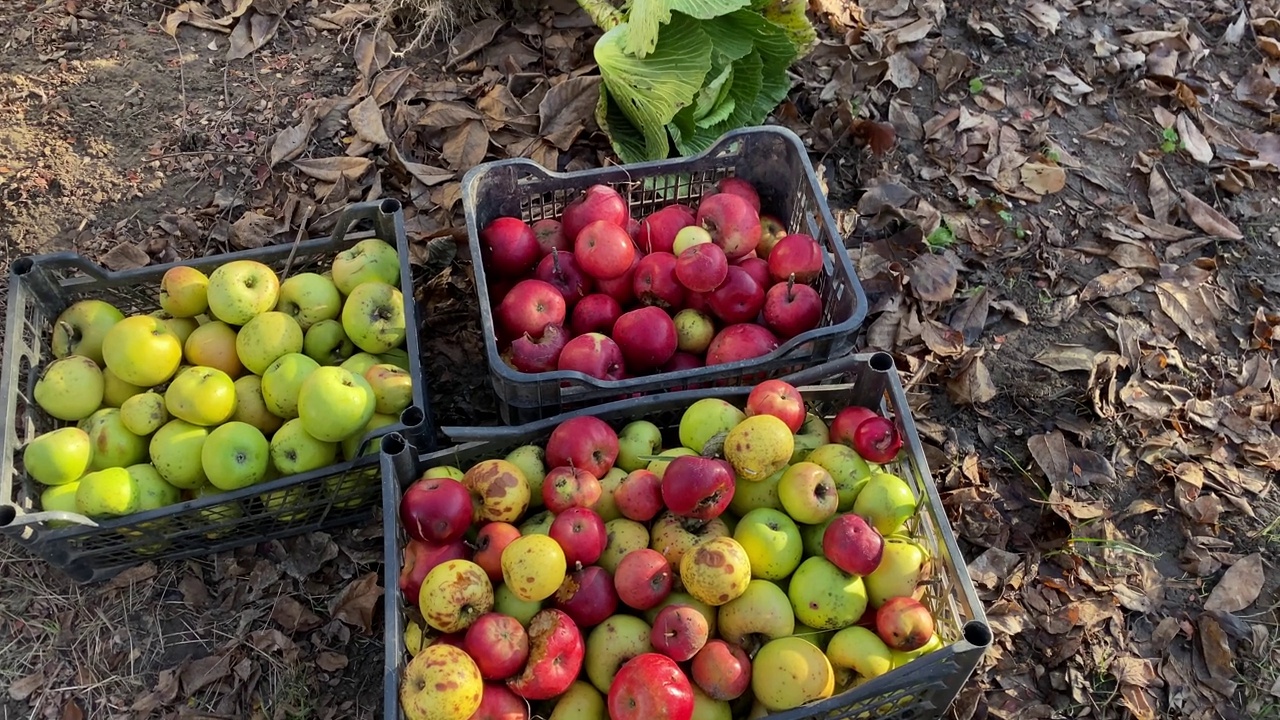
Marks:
<point>639,495</point>
<point>877,440</point>
<point>741,342</point>
<point>550,236</point>
<point>723,671</point>
<point>457,639</point>
<point>791,309</point>
<point>587,595</point>
<point>681,361</point>
<point>846,422</point>
<point>679,632</point>
<point>530,307</point>
<point>542,354</point>
<point>852,545</point>
<point>420,558</point>
<point>580,532</point>
<point>771,231</point>
<point>655,281</point>
<point>698,301</point>
<point>780,399</point>
<point>622,288</point>
<point>598,203</point>
<point>584,442</point>
<point>650,686</point>
<point>658,230</point>
<point>647,338</point>
<point>555,656</point>
<point>567,487</point>
<point>499,703</point>
<point>561,271</point>
<point>758,270</point>
<point>697,487</point>
<point>498,644</point>
<point>510,246</point>
<point>739,299</point>
<point>595,313</point>
<point>436,510</point>
<point>796,255</point>
<point>643,578</point>
<point>734,225</point>
<point>594,355</point>
<point>904,624</point>
<point>603,250</point>
<point>702,268</point>
<point>741,188</point>
<point>493,538</point>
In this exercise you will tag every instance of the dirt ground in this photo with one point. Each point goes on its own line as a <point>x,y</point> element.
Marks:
<point>1065,216</point>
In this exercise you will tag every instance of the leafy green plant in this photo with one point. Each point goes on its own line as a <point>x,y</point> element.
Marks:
<point>684,72</point>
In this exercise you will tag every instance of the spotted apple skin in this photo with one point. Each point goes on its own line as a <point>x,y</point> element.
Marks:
<point>498,489</point>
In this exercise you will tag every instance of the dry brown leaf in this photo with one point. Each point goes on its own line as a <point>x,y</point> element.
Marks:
<point>71,710</point>
<point>972,384</point>
<point>251,33</point>
<point>932,278</point>
<point>1065,358</point>
<point>473,38</point>
<point>1187,309</point>
<point>366,120</point>
<point>293,616</point>
<point>331,661</point>
<point>466,146</point>
<point>252,230</point>
<point>1110,284</point>
<point>125,256</point>
<point>567,108</point>
<point>1209,220</point>
<point>1161,197</point>
<point>448,114</point>
<point>1137,257</point>
<point>354,605</point>
<point>196,14</point>
<point>1239,587</point>
<point>902,72</point>
<point>1193,140</point>
<point>372,52</point>
<point>330,170</point>
<point>204,672</point>
<point>289,143</point>
<point>388,83</point>
<point>1218,657</point>
<point>1043,179</point>
<point>971,317</point>
<point>1064,463</point>
<point>941,339</point>
<point>23,687</point>
<point>426,174</point>
<point>1046,17</point>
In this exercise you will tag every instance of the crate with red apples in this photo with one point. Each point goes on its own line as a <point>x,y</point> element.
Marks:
<point>777,550</point>
<point>723,269</point>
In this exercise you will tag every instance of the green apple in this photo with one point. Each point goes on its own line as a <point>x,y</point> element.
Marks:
<point>532,462</point>
<point>71,388</point>
<point>214,345</point>
<point>901,657</point>
<point>142,350</point>
<point>902,567</point>
<point>218,513</point>
<point>508,603</point>
<point>153,492</point>
<point>705,419</point>
<point>60,498</point>
<point>370,260</point>
<point>679,597</point>
<point>282,381</point>
<point>334,403</point>
<point>80,329</point>
<point>444,471</point>
<point>808,493</point>
<point>293,451</point>
<point>184,292</point>
<point>265,338</point>
<point>706,707</point>
<point>824,597</point>
<point>309,298</point>
<point>636,440</point>
<point>182,327</point>
<point>360,363</point>
<point>813,434</point>
<point>59,456</point>
<point>392,388</point>
<point>812,535</point>
<point>144,413</point>
<point>538,523</point>
<point>351,445</point>
<point>285,503</point>
<point>623,536</point>
<point>201,396</point>
<point>817,638</point>
<point>241,290</point>
<point>327,343</point>
<point>748,496</point>
<point>115,391</point>
<point>111,492</point>
<point>861,650</point>
<point>606,507</point>
<point>659,467</point>
<point>610,644</point>
<point>772,542</point>
<point>886,501</point>
<point>689,236</point>
<point>373,317</point>
<point>694,331</point>
<point>761,613</point>
<point>847,468</point>
<point>397,356</point>
<point>113,444</point>
<point>175,453</point>
<point>252,408</point>
<point>235,455</point>
<point>581,702</point>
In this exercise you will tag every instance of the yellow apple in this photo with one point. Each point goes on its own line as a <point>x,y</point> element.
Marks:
<point>373,317</point>
<point>252,408</point>
<point>70,388</point>
<point>142,350</point>
<point>184,292</point>
<point>175,453</point>
<point>235,455</point>
<point>240,290</point>
<point>214,345</point>
<point>144,413</point>
<point>59,456</point>
<point>115,391</point>
<point>334,403</point>
<point>80,328</point>
<point>789,672</point>
<point>309,298</point>
<point>201,396</point>
<point>113,444</point>
<point>266,337</point>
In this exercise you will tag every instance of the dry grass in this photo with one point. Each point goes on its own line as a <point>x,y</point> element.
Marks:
<point>420,23</point>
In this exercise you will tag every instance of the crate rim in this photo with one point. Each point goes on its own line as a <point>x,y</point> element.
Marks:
<point>473,176</point>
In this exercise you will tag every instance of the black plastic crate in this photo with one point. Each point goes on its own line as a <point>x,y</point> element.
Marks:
<point>772,158</point>
<point>40,287</point>
<point>919,690</point>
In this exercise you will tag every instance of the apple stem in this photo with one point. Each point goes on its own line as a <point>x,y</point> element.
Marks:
<point>555,262</point>
<point>791,284</point>
<point>70,330</point>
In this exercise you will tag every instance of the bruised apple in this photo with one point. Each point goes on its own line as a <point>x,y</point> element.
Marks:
<point>593,354</point>
<point>721,670</point>
<point>587,596</point>
<point>421,558</point>
<point>555,656</point>
<point>650,686</point>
